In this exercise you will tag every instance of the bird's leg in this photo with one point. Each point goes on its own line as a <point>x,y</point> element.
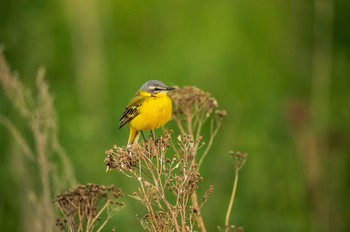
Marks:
<point>143,136</point>
<point>152,134</point>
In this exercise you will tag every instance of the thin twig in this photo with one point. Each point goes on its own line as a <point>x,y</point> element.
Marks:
<point>210,143</point>
<point>199,217</point>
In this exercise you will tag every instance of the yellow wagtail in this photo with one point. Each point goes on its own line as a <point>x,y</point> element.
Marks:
<point>150,109</point>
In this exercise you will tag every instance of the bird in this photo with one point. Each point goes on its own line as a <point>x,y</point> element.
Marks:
<point>151,108</point>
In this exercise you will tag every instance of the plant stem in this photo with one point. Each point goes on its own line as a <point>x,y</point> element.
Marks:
<point>199,218</point>
<point>229,209</point>
<point>213,133</point>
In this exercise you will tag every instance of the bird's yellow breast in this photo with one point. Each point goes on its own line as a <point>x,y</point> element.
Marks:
<point>154,112</point>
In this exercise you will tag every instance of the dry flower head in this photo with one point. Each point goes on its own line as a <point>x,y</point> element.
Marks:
<point>82,207</point>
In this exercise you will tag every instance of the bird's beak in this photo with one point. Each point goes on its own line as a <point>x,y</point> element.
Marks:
<point>170,88</point>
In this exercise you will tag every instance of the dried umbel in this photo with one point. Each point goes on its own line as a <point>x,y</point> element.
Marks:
<point>82,207</point>
<point>189,100</point>
<point>192,107</point>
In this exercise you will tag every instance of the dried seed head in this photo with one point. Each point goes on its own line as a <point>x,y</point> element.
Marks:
<point>221,113</point>
<point>191,100</point>
<point>85,201</point>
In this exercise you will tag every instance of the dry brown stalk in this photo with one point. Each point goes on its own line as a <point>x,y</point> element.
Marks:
<point>192,108</point>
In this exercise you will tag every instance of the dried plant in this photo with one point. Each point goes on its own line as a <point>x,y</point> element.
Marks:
<point>82,207</point>
<point>192,109</point>
<point>38,175</point>
<point>166,182</point>
<point>167,169</point>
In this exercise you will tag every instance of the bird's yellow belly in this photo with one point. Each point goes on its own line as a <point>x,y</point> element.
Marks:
<point>155,112</point>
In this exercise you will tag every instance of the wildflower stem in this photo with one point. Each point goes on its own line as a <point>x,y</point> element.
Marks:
<point>146,202</point>
<point>213,133</point>
<point>199,217</point>
<point>239,161</point>
<point>178,122</point>
<point>229,209</point>
<point>99,213</point>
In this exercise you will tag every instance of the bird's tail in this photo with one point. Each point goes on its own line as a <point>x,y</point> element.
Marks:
<point>133,136</point>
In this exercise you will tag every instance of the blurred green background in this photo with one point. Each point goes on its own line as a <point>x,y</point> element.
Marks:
<point>281,70</point>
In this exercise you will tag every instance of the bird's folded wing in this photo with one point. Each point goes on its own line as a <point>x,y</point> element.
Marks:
<point>132,110</point>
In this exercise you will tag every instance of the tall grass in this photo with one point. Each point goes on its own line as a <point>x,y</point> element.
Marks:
<point>41,165</point>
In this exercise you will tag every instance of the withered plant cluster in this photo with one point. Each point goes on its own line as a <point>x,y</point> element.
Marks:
<point>166,182</point>
<point>167,170</point>
<point>39,163</point>
<point>82,208</point>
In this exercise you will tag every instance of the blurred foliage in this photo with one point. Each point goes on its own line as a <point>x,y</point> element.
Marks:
<point>279,68</point>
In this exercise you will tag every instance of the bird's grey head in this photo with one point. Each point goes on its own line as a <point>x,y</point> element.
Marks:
<point>155,86</point>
